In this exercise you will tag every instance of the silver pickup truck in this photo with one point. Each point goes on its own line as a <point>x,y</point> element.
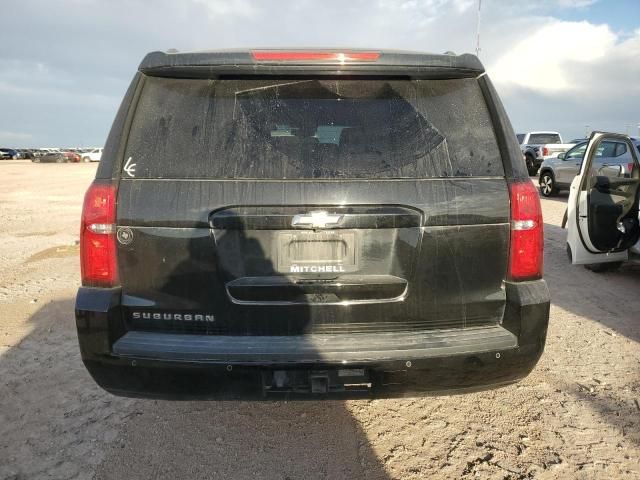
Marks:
<point>538,146</point>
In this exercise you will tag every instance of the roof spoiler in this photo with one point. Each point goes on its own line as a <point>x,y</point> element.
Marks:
<point>329,62</point>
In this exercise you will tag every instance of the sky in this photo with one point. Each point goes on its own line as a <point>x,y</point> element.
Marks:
<point>564,65</point>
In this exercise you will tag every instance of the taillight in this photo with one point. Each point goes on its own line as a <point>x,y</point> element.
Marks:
<point>527,238</point>
<point>630,168</point>
<point>301,55</point>
<point>97,236</point>
<point>545,151</point>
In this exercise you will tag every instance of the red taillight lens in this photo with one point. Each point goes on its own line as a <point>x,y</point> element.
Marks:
<point>97,237</point>
<point>527,237</point>
<point>288,56</point>
<point>545,151</point>
<point>630,168</point>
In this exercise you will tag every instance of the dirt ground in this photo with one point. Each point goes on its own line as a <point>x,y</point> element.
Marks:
<point>576,416</point>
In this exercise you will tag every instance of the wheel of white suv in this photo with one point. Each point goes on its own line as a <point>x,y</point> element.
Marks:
<point>86,159</point>
<point>547,185</point>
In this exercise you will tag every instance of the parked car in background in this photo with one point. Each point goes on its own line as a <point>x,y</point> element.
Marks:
<point>92,155</point>
<point>538,146</point>
<point>71,156</point>
<point>366,232</point>
<point>557,173</point>
<point>8,153</point>
<point>26,153</point>
<point>51,157</point>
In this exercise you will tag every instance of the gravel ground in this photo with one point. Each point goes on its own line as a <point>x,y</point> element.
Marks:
<point>576,416</point>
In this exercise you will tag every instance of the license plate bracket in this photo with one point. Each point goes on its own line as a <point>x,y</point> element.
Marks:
<point>317,253</point>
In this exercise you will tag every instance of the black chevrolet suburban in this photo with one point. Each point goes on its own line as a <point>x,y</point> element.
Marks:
<point>310,224</point>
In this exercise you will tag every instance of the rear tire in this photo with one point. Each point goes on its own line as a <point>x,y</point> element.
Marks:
<point>547,184</point>
<point>603,267</point>
<point>86,159</point>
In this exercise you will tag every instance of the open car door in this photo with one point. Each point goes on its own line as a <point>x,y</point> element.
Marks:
<point>602,213</point>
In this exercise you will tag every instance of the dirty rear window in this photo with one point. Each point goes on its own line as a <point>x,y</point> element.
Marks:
<point>305,129</point>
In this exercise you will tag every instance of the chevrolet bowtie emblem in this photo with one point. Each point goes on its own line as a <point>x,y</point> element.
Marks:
<point>316,219</point>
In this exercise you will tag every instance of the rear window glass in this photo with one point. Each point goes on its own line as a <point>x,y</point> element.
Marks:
<point>544,138</point>
<point>291,129</point>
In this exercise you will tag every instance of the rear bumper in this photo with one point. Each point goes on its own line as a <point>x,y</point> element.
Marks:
<point>342,365</point>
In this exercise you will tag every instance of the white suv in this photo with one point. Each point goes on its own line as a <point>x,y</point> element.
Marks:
<point>92,155</point>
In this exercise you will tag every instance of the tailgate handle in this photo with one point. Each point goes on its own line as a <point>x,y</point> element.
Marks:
<point>314,217</point>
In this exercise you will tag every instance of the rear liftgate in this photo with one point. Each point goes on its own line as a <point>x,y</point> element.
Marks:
<point>322,256</point>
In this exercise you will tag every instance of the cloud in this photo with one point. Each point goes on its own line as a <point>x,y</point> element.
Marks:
<point>575,3</point>
<point>572,77</point>
<point>65,86</point>
<point>220,9</point>
<point>543,61</point>
<point>59,97</point>
<point>12,138</point>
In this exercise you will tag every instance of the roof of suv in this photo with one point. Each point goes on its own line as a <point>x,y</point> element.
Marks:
<point>214,63</point>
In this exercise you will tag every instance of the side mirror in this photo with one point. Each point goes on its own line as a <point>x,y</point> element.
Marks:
<point>562,155</point>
